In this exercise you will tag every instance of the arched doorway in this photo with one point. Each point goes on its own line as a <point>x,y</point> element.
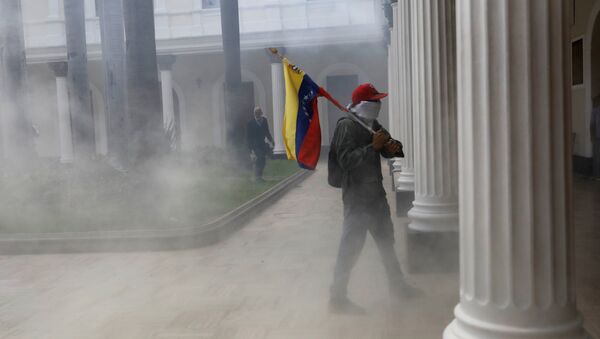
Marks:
<point>340,87</point>
<point>594,84</point>
<point>218,104</point>
<point>339,79</point>
<point>595,58</point>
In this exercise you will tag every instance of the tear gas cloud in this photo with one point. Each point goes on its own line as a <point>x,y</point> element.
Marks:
<point>277,270</point>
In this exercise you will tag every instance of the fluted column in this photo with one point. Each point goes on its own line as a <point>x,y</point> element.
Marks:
<point>517,278</point>
<point>394,86</point>
<point>393,69</point>
<point>53,9</point>
<point>434,91</point>
<point>165,63</point>
<point>406,177</point>
<point>64,116</point>
<point>277,82</point>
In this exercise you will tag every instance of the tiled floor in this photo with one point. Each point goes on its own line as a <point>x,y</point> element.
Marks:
<point>270,280</point>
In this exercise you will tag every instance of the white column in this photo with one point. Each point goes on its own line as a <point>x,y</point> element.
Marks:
<point>166,78</point>
<point>160,6</point>
<point>90,8</point>
<point>165,64</point>
<point>100,121</point>
<point>53,9</point>
<point>517,278</point>
<point>393,72</point>
<point>64,115</point>
<point>394,85</point>
<point>277,82</point>
<point>434,117</point>
<point>406,176</point>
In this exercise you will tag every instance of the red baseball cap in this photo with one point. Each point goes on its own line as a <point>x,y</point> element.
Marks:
<point>366,92</point>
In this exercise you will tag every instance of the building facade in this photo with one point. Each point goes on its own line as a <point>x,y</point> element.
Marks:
<point>585,42</point>
<point>339,43</point>
<point>500,98</point>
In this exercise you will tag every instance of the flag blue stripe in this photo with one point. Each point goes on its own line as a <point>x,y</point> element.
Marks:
<point>307,94</point>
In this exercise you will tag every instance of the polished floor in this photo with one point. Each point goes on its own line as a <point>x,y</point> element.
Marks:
<point>270,280</point>
<point>586,203</point>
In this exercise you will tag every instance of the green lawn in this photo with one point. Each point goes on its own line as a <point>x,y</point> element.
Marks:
<point>56,199</point>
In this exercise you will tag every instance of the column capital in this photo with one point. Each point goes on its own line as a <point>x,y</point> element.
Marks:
<point>274,59</point>
<point>166,62</point>
<point>387,12</point>
<point>60,68</point>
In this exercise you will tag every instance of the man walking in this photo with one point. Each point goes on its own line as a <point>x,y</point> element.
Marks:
<point>366,208</point>
<point>257,131</point>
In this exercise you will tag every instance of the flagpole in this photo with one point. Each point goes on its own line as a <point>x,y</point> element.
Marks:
<point>328,96</point>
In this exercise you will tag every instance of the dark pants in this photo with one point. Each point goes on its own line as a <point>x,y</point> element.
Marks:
<point>596,158</point>
<point>378,222</point>
<point>259,165</point>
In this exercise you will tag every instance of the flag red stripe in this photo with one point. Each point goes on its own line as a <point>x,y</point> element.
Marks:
<point>311,146</point>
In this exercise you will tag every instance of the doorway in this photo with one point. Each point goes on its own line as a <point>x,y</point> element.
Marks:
<point>595,88</point>
<point>340,87</point>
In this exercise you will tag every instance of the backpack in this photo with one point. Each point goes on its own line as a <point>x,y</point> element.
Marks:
<point>334,171</point>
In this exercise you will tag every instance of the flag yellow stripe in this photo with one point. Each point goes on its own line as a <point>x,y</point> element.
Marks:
<point>293,80</point>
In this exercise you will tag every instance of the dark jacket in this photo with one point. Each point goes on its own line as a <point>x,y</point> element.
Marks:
<point>361,164</point>
<point>256,132</point>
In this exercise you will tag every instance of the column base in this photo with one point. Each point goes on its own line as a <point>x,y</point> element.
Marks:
<point>404,201</point>
<point>405,181</point>
<point>467,327</point>
<point>433,217</point>
<point>279,155</point>
<point>391,166</point>
<point>432,252</point>
<point>66,160</point>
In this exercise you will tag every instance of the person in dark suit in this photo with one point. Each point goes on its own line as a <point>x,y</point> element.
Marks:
<point>260,142</point>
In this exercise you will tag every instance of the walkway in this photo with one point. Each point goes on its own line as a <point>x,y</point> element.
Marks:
<point>586,202</point>
<point>270,280</point>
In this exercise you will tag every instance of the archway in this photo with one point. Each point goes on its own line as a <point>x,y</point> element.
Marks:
<point>593,69</point>
<point>335,73</point>
<point>218,116</point>
<point>595,58</point>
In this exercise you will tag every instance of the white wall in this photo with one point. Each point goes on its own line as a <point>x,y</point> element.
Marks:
<point>369,63</point>
<point>199,80</point>
<point>586,12</point>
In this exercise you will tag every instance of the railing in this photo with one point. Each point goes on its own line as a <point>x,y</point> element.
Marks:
<point>271,16</point>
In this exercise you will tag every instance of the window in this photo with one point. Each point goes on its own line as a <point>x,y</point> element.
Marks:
<point>577,60</point>
<point>211,3</point>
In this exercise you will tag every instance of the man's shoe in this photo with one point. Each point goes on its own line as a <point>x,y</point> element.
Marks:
<point>405,291</point>
<point>345,306</point>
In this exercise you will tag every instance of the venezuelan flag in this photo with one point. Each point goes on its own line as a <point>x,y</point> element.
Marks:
<point>301,129</point>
